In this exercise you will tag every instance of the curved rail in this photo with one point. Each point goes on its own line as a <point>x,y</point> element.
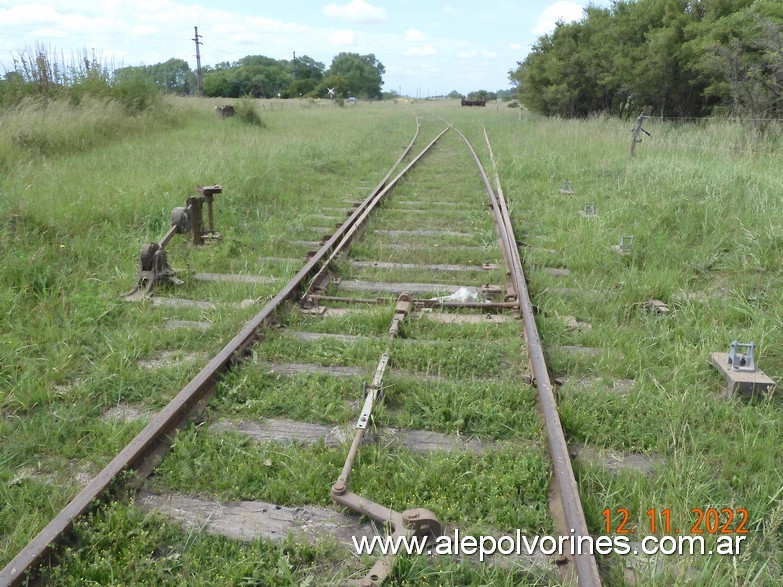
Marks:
<point>586,567</point>
<point>144,452</point>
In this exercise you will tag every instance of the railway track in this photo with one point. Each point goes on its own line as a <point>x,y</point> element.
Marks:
<point>413,290</point>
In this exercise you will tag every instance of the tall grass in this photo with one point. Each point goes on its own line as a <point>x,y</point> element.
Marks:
<point>50,107</point>
<point>39,127</point>
<point>705,215</point>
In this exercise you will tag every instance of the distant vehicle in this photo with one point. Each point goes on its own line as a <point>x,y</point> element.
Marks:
<point>473,102</point>
<point>351,100</point>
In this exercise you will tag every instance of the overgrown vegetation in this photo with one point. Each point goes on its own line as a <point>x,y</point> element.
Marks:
<point>50,107</point>
<point>671,58</point>
<point>42,74</point>
<point>701,200</point>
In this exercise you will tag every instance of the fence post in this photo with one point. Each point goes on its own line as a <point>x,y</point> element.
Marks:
<point>635,130</point>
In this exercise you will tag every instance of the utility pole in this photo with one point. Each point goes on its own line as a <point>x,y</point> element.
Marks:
<point>198,64</point>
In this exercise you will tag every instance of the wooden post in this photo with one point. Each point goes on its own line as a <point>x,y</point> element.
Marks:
<point>636,129</point>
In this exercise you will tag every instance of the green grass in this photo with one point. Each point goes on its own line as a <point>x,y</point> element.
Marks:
<point>702,202</point>
<point>502,489</point>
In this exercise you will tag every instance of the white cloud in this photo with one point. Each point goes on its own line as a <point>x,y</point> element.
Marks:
<point>560,10</point>
<point>471,53</point>
<point>515,46</point>
<point>143,29</point>
<point>356,11</point>
<point>420,51</point>
<point>415,35</point>
<point>29,14</point>
<point>342,37</point>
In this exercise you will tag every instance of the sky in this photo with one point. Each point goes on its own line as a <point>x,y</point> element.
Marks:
<point>428,48</point>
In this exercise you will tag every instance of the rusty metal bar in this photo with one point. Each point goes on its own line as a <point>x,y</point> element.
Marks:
<point>168,236</point>
<point>149,446</point>
<point>418,521</point>
<point>586,567</point>
<point>419,303</point>
<point>373,394</point>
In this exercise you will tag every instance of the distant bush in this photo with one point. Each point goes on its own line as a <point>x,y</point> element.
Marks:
<point>513,104</point>
<point>246,111</point>
<point>40,74</point>
<point>49,108</point>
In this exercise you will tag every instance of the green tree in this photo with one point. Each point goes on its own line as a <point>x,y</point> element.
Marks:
<point>306,74</point>
<point>354,74</point>
<point>337,82</point>
<point>653,55</point>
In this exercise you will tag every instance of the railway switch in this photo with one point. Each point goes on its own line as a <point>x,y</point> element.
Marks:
<point>200,232</point>
<point>154,267</point>
<point>411,522</point>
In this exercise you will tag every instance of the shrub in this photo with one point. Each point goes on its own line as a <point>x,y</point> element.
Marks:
<point>246,111</point>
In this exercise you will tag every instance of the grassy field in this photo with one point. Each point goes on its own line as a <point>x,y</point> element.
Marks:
<point>77,202</point>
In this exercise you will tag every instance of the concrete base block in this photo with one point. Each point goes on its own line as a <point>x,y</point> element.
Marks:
<point>742,383</point>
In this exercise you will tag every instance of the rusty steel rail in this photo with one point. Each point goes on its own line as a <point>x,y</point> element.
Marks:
<point>352,231</point>
<point>144,452</point>
<point>586,566</point>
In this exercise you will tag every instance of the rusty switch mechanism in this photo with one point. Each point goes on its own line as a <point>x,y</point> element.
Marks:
<point>403,308</point>
<point>195,205</point>
<point>412,522</point>
<point>155,268</point>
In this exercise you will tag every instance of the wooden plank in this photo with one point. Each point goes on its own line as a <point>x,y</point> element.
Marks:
<point>398,288</point>
<point>250,520</point>
<point>305,368</point>
<point>187,325</point>
<point>311,336</point>
<point>181,303</point>
<point>234,277</point>
<point>169,359</point>
<point>424,266</point>
<point>597,384</point>
<point>455,318</point>
<point>421,246</point>
<point>616,461</point>
<point>289,431</point>
<point>423,232</point>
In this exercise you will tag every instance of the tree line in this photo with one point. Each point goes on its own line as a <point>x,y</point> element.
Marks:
<point>670,58</point>
<point>350,74</point>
